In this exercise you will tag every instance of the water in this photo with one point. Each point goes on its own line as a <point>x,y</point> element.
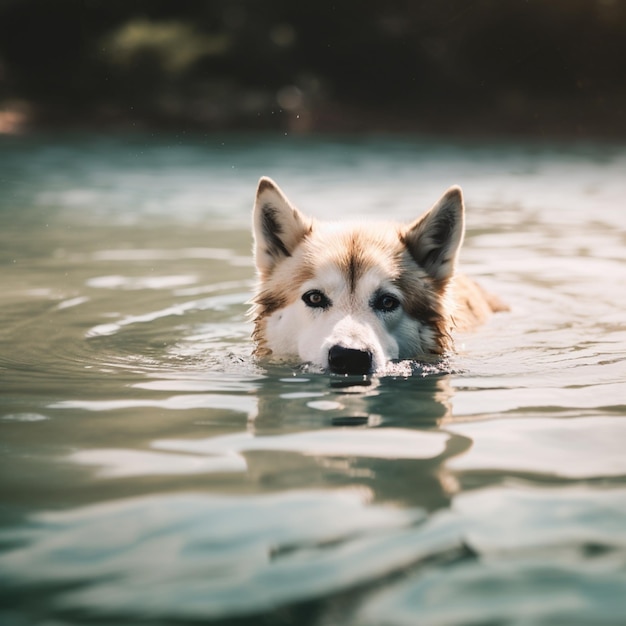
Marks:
<point>152,472</point>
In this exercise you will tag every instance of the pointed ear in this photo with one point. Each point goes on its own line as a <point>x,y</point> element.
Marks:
<point>435,238</point>
<point>278,226</point>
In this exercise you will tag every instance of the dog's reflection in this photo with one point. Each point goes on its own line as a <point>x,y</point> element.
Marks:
<point>382,433</point>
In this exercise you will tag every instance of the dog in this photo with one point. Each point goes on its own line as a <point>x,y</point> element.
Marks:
<point>350,298</point>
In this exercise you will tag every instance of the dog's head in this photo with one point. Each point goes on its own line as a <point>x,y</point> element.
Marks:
<point>351,297</point>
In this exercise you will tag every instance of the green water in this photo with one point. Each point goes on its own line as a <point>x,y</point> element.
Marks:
<point>151,472</point>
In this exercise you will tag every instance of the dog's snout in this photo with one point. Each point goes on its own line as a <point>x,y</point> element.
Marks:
<point>349,361</point>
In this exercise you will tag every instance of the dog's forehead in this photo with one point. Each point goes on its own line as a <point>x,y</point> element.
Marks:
<point>354,254</point>
<point>335,280</point>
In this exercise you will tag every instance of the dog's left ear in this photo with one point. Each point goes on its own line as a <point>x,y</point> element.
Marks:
<point>278,226</point>
<point>435,238</point>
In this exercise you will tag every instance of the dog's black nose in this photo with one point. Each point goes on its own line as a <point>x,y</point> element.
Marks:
<point>348,361</point>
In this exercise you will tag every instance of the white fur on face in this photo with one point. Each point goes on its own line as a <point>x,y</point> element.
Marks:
<point>350,321</point>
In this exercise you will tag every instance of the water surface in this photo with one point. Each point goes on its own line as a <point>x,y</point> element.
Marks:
<point>152,472</point>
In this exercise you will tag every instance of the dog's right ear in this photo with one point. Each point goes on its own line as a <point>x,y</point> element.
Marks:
<point>278,226</point>
<point>435,238</point>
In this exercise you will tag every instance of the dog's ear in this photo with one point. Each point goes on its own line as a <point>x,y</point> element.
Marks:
<point>435,238</point>
<point>278,226</point>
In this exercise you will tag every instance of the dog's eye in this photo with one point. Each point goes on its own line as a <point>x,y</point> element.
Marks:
<point>386,303</point>
<point>316,299</point>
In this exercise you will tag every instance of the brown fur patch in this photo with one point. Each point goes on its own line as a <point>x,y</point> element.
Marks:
<point>354,263</point>
<point>473,305</point>
<point>425,300</point>
<point>276,291</point>
<point>356,252</point>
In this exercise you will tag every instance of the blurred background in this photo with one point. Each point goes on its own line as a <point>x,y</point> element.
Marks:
<point>476,67</point>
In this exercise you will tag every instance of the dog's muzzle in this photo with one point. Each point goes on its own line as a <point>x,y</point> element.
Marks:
<point>349,361</point>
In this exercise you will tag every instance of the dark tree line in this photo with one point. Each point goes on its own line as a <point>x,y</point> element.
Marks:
<point>556,67</point>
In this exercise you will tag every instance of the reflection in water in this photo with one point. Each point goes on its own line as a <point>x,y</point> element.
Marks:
<point>394,418</point>
<point>389,401</point>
